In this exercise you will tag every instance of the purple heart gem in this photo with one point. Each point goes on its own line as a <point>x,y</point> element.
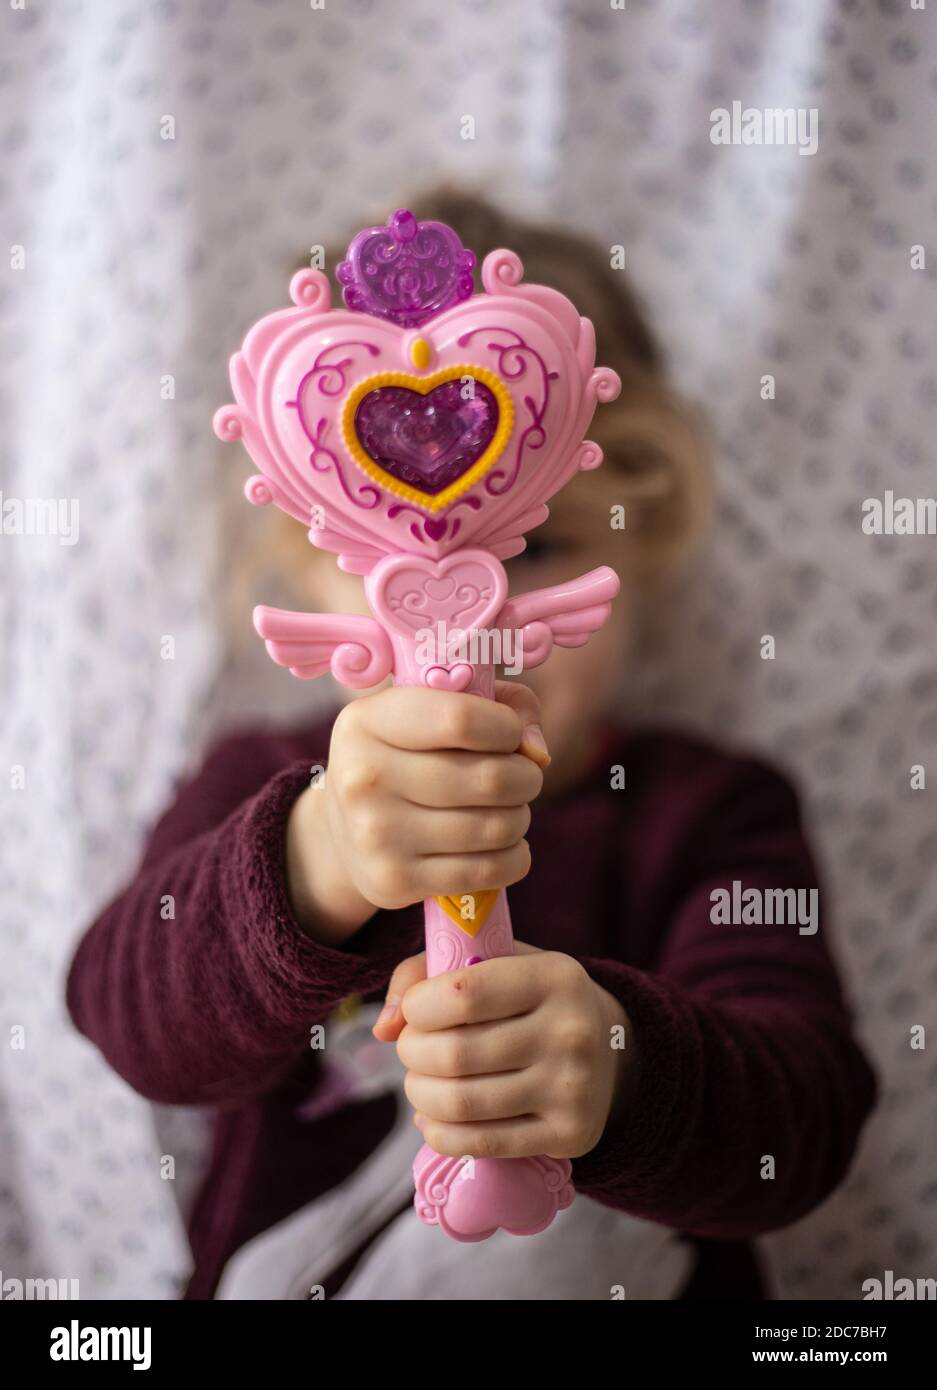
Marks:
<point>427,441</point>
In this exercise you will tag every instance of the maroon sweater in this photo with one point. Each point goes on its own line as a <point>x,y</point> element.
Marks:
<point>746,1042</point>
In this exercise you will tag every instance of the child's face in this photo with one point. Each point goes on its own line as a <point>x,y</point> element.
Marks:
<point>576,686</point>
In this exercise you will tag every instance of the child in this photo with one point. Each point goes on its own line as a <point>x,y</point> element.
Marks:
<point>735,1104</point>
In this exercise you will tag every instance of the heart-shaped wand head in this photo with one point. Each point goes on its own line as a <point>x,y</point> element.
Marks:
<point>418,417</point>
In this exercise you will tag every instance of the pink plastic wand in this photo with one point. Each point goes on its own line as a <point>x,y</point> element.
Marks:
<point>419,432</point>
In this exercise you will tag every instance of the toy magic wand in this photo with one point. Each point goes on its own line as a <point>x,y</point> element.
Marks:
<point>418,432</point>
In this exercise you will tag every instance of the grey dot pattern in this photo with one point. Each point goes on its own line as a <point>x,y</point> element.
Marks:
<point>148,257</point>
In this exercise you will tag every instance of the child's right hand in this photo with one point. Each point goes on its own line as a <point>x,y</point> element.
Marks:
<point>427,792</point>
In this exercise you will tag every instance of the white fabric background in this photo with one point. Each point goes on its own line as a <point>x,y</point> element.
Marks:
<point>146,256</point>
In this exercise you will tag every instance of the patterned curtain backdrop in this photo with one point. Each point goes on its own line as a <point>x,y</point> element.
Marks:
<point>165,165</point>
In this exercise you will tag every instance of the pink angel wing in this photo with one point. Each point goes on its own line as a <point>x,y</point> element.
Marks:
<point>356,650</point>
<point>565,614</point>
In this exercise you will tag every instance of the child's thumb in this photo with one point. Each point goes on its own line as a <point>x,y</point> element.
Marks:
<point>390,1020</point>
<point>522,700</point>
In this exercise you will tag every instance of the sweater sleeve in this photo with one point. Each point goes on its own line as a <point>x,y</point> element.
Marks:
<point>751,1090</point>
<point>197,983</point>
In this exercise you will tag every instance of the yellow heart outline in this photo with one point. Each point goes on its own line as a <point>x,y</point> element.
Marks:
<point>423,386</point>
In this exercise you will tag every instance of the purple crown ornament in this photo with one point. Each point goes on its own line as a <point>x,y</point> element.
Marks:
<point>407,272</point>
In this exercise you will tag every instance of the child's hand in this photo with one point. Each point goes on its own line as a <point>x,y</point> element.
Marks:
<point>509,1057</point>
<point>427,792</point>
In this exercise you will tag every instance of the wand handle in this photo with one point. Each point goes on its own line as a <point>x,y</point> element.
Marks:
<point>470,1198</point>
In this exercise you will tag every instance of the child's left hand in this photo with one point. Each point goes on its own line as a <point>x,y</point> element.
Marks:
<point>510,1057</point>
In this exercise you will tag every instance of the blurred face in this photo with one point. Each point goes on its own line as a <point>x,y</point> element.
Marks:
<point>576,686</point>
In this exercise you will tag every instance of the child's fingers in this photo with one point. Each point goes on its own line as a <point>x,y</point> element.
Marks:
<point>454,778</point>
<point>415,718</point>
<point>522,700</point>
<point>517,1138</point>
<point>475,1049</point>
<point>473,1099</point>
<point>462,875</point>
<point>459,830</point>
<point>390,1020</point>
<point>492,989</point>
<point>479,1042</point>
